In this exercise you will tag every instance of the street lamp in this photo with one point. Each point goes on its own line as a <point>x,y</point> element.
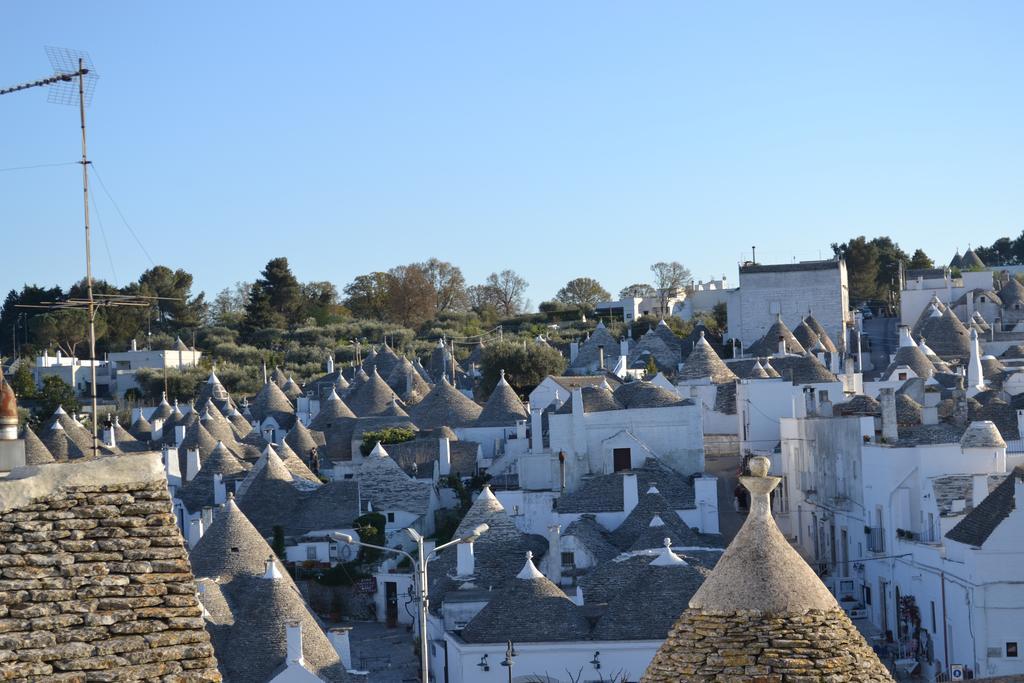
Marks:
<point>420,563</point>
<point>510,655</point>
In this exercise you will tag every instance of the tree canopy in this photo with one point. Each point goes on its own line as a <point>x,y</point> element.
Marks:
<point>583,292</point>
<point>525,364</point>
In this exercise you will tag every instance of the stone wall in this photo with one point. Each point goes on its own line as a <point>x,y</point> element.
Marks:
<point>95,582</point>
<point>816,647</point>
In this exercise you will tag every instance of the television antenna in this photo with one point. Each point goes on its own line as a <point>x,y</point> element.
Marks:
<point>73,71</point>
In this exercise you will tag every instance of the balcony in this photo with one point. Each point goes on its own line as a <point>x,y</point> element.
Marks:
<point>875,536</point>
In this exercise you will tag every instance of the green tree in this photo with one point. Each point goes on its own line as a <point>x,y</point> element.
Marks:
<point>67,329</point>
<point>637,291</point>
<point>525,365</point>
<point>320,301</point>
<point>669,276</point>
<point>920,260</point>
<point>862,268</point>
<point>277,544</point>
<point>583,292</point>
<point>54,393</point>
<point>385,436</point>
<point>411,299</point>
<point>448,284</point>
<point>260,313</point>
<point>22,382</point>
<point>508,291</point>
<point>175,307</point>
<point>889,258</point>
<point>367,296</point>
<point>275,299</point>
<point>22,321</point>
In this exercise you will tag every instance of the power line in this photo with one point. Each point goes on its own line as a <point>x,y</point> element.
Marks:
<point>24,168</point>
<point>121,214</point>
<point>103,234</point>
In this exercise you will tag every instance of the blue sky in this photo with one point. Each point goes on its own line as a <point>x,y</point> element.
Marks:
<point>558,139</point>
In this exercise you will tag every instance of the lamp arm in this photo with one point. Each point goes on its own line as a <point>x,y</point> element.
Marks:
<point>381,547</point>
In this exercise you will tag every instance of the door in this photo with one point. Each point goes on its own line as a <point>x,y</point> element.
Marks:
<point>391,603</point>
<point>883,605</point>
<point>622,459</point>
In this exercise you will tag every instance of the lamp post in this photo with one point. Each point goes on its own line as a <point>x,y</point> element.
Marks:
<point>420,563</point>
<point>510,655</point>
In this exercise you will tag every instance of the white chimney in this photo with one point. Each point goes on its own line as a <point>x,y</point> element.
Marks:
<point>574,349</point>
<point>293,630</point>
<point>600,356</point>
<point>890,431</point>
<point>135,345</point>
<point>555,554</point>
<point>520,429</point>
<point>330,364</point>
<point>158,429</point>
<point>782,346</point>
<point>220,493</point>
<point>630,493</point>
<point>1020,423</point>
<point>905,338</point>
<point>171,466</point>
<point>179,434</point>
<point>207,516</point>
<point>975,377</point>
<point>108,436</point>
<point>444,458</point>
<point>195,532</point>
<point>979,489</point>
<point>824,405</point>
<point>536,431</point>
<point>577,401</point>
<point>192,463</point>
<point>465,564</point>
<point>339,639</point>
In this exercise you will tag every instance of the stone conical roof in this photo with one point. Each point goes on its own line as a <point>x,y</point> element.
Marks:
<point>530,608</point>
<point>198,492</point>
<point>957,260</point>
<point>768,345</point>
<point>819,330</point>
<point>946,335</point>
<point>163,410</point>
<point>141,428</point>
<point>914,358</point>
<point>291,389</point>
<point>36,452</point>
<point>806,335</point>
<point>587,359</point>
<point>371,397</point>
<point>385,360</point>
<point>704,363</point>
<point>503,407</point>
<point>272,402</point>
<point>302,440</point>
<point>61,445</point>
<point>761,591</point>
<point>278,377</point>
<point>971,261</point>
<point>1012,293</point>
<point>294,463</point>
<point>407,382</point>
<point>445,406</point>
<point>332,409</point>
<point>231,547</point>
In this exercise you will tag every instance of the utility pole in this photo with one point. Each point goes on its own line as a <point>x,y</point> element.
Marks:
<point>88,262</point>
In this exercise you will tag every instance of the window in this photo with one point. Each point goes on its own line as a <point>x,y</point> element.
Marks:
<point>568,560</point>
<point>867,595</point>
<point>934,625</point>
<point>1011,649</point>
<point>901,376</point>
<point>310,552</point>
<point>348,476</point>
<point>391,518</point>
<point>621,459</point>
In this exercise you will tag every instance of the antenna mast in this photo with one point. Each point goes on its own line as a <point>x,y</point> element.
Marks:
<point>70,66</point>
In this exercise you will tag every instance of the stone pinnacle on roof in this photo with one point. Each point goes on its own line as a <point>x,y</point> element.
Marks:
<point>762,591</point>
<point>667,558</point>
<point>529,570</point>
<point>704,363</point>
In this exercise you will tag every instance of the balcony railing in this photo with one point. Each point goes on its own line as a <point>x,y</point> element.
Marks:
<point>875,538</point>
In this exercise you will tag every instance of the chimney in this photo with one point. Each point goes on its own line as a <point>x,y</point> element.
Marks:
<point>782,346</point>
<point>195,531</point>
<point>339,639</point>
<point>220,492</point>
<point>600,356</point>
<point>970,302</point>
<point>293,631</point>
<point>444,457</point>
<point>979,489</point>
<point>192,463</point>
<point>330,364</point>
<point>905,338</point>
<point>848,366</point>
<point>464,562</point>
<point>555,554</point>
<point>171,465</point>
<point>630,493</point>
<point>179,434</point>
<point>890,432</point>
<point>536,431</point>
<point>135,345</point>
<point>624,346</point>
<point>809,404</point>
<point>158,429</point>
<point>577,401</point>
<point>959,407</point>
<point>930,409</point>
<point>207,516</point>
<point>824,405</point>
<point>108,436</point>
<point>574,349</point>
<point>975,378</point>
<point>520,429</point>
<point>1020,423</point>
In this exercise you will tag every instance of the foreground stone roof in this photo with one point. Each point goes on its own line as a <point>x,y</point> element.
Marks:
<point>763,614</point>
<point>96,581</point>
